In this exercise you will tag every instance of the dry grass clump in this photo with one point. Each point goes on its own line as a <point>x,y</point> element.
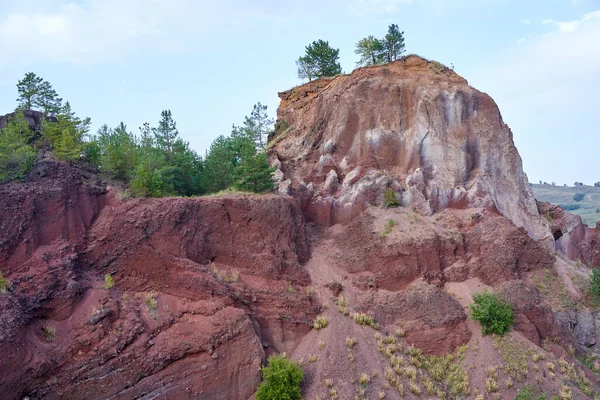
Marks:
<point>514,355</point>
<point>387,229</point>
<point>4,284</point>
<point>49,332</point>
<point>320,322</point>
<point>342,305</point>
<point>225,276</point>
<point>364,379</point>
<point>351,342</point>
<point>364,319</point>
<point>109,282</point>
<point>151,301</point>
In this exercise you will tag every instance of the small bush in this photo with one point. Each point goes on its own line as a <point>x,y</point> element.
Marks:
<point>109,282</point>
<point>594,289</point>
<point>281,380</point>
<point>151,301</point>
<point>387,229</point>
<point>494,315</point>
<point>49,332</point>
<point>578,196</point>
<point>389,198</point>
<point>320,322</point>
<point>4,284</point>
<point>350,342</point>
<point>364,319</point>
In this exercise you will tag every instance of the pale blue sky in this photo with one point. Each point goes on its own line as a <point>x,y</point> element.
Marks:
<point>209,62</point>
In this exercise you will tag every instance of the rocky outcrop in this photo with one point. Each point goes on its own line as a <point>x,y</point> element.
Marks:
<point>201,290</point>
<point>410,126</point>
<point>571,235</point>
<point>32,117</point>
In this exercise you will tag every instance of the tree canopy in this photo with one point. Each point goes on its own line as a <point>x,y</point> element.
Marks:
<point>373,51</point>
<point>35,92</point>
<point>319,60</point>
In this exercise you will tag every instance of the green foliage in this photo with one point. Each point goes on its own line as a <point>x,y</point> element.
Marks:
<point>4,284</point>
<point>35,92</point>
<point>370,50</point>
<point>570,207</point>
<point>254,174</point>
<point>281,380</point>
<point>16,155</point>
<point>319,60</point>
<point>109,282</point>
<point>393,43</point>
<point>389,198</point>
<point>594,289</point>
<point>494,315</point>
<point>578,196</point>
<point>166,132</point>
<point>118,151</point>
<point>66,135</point>
<point>527,392</point>
<point>257,126</point>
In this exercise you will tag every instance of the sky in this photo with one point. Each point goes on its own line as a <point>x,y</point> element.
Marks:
<point>209,62</point>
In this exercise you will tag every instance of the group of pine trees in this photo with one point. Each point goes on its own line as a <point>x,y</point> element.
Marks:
<point>154,163</point>
<point>321,60</point>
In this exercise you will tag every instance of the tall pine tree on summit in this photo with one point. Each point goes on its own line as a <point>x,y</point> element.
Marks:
<point>319,60</point>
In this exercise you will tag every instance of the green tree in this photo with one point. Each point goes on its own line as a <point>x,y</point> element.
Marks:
<point>257,126</point>
<point>578,196</point>
<point>282,379</point>
<point>306,68</point>
<point>166,133</point>
<point>320,58</point>
<point>34,91</point>
<point>119,152</point>
<point>393,43</point>
<point>16,155</point>
<point>370,50</point>
<point>494,315</point>
<point>254,174</point>
<point>67,133</point>
<point>594,288</point>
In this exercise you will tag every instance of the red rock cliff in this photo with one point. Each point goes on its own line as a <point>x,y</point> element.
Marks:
<point>411,125</point>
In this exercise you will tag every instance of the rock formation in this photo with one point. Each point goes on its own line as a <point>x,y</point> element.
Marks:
<point>413,126</point>
<point>206,288</point>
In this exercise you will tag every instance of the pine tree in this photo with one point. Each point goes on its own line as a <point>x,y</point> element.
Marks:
<point>254,174</point>
<point>257,126</point>
<point>166,133</point>
<point>370,50</point>
<point>320,59</point>
<point>393,43</point>
<point>67,133</point>
<point>35,92</point>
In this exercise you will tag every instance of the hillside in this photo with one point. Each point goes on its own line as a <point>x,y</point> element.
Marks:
<point>563,195</point>
<point>401,199</point>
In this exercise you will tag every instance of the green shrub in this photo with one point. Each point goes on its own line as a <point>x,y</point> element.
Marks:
<point>594,289</point>
<point>494,315</point>
<point>282,380</point>
<point>320,322</point>
<point>578,196</point>
<point>4,284</point>
<point>16,155</point>
<point>389,198</point>
<point>109,282</point>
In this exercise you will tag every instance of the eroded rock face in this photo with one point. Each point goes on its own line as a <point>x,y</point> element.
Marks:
<point>572,236</point>
<point>428,135</point>
<point>201,295</point>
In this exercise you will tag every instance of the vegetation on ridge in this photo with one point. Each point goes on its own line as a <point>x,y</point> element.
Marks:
<point>155,163</point>
<point>494,314</point>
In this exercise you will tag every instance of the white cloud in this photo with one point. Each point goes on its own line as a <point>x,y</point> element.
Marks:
<point>108,30</point>
<point>365,7</point>
<point>521,40</point>
<point>572,26</point>
<point>525,21</point>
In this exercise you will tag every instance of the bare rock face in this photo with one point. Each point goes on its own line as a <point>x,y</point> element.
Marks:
<point>201,290</point>
<point>571,235</point>
<point>424,132</point>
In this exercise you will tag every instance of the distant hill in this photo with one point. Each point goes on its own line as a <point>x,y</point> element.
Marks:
<point>563,195</point>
